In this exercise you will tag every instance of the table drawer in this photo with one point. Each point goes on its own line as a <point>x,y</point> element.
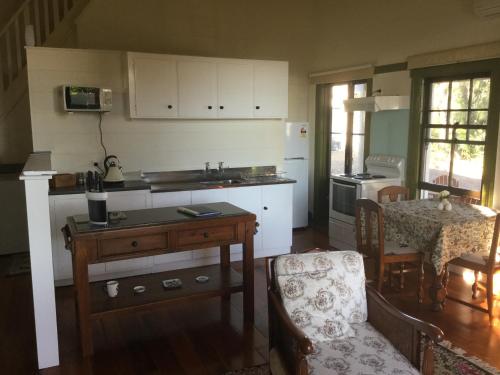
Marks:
<point>207,235</point>
<point>118,247</point>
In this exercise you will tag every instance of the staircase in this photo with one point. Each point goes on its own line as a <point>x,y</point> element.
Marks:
<point>51,23</point>
<point>45,17</point>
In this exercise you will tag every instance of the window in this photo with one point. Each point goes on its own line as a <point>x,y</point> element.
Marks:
<point>454,128</point>
<point>347,129</point>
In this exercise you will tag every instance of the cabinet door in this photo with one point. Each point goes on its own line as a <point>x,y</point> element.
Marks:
<point>208,196</point>
<point>170,199</point>
<point>61,207</point>
<point>235,90</point>
<point>248,198</point>
<point>277,211</point>
<point>270,89</point>
<point>123,201</point>
<point>154,88</point>
<point>197,89</point>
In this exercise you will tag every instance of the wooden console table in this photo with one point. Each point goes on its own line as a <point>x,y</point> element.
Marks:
<point>152,232</point>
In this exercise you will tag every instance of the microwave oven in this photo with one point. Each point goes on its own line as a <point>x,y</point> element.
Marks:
<point>87,99</point>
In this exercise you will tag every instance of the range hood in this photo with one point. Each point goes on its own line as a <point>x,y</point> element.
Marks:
<point>377,103</point>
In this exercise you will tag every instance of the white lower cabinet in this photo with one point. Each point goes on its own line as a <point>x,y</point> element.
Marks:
<point>208,196</point>
<point>170,199</point>
<point>248,198</point>
<point>124,201</point>
<point>277,212</point>
<point>272,205</point>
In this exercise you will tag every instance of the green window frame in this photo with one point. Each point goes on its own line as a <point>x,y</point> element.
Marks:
<point>420,124</point>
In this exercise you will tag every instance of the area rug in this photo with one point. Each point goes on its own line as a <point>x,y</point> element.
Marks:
<point>448,360</point>
<point>19,264</point>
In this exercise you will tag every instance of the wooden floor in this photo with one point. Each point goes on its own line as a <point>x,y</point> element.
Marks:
<point>206,337</point>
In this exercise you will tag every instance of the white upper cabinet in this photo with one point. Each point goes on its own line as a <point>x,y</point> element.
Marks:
<point>189,87</point>
<point>153,89</point>
<point>270,89</point>
<point>235,90</point>
<point>197,89</point>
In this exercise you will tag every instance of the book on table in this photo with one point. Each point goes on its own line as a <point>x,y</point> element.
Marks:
<point>198,211</point>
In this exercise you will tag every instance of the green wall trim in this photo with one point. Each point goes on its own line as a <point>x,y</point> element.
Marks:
<point>397,67</point>
<point>419,77</point>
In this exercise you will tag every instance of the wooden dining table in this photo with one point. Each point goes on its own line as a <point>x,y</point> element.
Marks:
<point>441,235</point>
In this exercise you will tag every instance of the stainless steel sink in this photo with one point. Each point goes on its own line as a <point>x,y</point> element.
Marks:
<point>223,182</point>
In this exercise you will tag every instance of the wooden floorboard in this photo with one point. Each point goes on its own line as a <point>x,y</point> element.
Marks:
<point>203,337</point>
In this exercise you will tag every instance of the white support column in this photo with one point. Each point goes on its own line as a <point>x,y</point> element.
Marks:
<point>36,175</point>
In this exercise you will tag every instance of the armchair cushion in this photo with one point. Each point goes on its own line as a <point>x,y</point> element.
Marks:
<point>323,293</point>
<point>368,352</point>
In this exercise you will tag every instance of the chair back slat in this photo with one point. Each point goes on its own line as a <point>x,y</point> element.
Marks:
<point>369,217</point>
<point>393,194</point>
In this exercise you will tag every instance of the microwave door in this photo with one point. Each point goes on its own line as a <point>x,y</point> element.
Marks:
<point>343,201</point>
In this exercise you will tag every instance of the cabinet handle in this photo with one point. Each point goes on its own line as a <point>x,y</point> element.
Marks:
<point>221,107</point>
<point>265,208</point>
<point>255,231</point>
<point>257,107</point>
<point>205,234</point>
<point>209,107</point>
<point>135,243</point>
<point>169,106</point>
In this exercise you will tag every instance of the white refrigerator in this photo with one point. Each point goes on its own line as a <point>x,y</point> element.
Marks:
<point>296,166</point>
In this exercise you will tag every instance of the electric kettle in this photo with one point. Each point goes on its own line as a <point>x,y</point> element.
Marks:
<point>113,170</point>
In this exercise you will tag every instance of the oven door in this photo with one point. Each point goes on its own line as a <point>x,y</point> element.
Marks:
<point>343,196</point>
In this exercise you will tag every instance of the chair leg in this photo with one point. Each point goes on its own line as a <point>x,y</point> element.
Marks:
<point>446,278</point>
<point>380,280</point>
<point>390,275</point>
<point>475,291</point>
<point>401,276</point>
<point>420,281</point>
<point>489,295</point>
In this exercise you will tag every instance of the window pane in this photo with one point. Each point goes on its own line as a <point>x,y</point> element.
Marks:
<point>437,118</point>
<point>339,115</point>
<point>477,135</point>
<point>460,94</point>
<point>437,163</point>
<point>458,118</point>
<point>478,118</point>
<point>439,95</point>
<point>436,133</point>
<point>358,147</point>
<point>458,134</point>
<point>358,122</point>
<point>339,94</point>
<point>468,166</point>
<point>480,93</point>
<point>337,148</point>
<point>360,90</point>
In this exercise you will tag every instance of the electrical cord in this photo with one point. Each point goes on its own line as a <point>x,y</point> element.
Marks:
<point>100,134</point>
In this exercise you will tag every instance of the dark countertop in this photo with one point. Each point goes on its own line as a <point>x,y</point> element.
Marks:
<point>153,216</point>
<point>175,186</point>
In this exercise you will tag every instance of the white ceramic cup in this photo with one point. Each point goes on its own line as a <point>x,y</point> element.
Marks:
<point>112,288</point>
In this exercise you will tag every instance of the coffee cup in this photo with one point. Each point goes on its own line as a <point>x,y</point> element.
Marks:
<point>112,288</point>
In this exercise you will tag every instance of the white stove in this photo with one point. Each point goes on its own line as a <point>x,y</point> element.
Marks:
<point>381,171</point>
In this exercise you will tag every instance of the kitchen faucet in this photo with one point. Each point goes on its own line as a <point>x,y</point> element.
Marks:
<point>221,168</point>
<point>207,167</point>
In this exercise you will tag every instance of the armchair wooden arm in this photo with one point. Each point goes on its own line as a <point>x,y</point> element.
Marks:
<point>293,345</point>
<point>403,331</point>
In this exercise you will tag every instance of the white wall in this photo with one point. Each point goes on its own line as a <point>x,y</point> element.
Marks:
<point>148,145</point>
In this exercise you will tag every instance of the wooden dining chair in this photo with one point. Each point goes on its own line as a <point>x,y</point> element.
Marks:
<point>487,264</point>
<point>371,243</point>
<point>393,194</point>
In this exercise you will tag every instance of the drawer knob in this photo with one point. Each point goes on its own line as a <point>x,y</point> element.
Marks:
<point>265,208</point>
<point>209,107</point>
<point>205,234</point>
<point>169,106</point>
<point>135,243</point>
<point>221,107</point>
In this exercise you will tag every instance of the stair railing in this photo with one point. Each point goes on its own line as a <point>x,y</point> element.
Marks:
<point>43,16</point>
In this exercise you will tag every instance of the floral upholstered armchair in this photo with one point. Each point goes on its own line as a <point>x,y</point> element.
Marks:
<point>324,320</point>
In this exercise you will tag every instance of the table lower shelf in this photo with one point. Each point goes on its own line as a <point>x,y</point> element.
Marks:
<point>223,281</point>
